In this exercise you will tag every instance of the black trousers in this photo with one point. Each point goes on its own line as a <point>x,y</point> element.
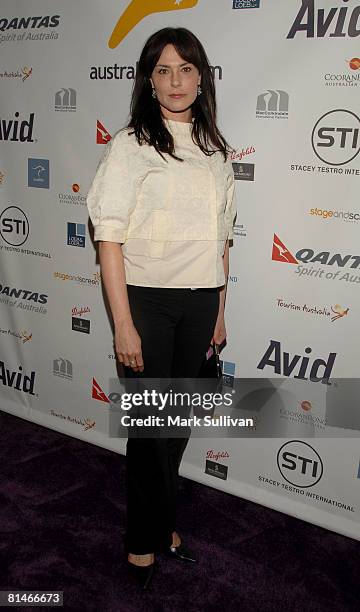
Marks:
<point>175,327</point>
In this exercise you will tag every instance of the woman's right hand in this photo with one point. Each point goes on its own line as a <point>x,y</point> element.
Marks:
<point>128,346</point>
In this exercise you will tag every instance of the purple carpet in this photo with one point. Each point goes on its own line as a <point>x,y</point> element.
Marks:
<point>62,518</point>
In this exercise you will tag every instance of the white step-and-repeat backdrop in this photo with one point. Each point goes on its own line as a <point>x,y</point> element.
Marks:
<point>287,77</point>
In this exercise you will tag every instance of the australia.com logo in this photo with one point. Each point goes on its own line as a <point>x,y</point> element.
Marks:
<point>322,260</point>
<point>137,10</point>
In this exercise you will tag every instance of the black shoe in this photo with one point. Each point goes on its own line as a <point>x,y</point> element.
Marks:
<point>182,553</point>
<point>141,573</point>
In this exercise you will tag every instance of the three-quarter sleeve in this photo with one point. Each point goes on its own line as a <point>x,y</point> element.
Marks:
<point>112,195</point>
<point>230,209</point>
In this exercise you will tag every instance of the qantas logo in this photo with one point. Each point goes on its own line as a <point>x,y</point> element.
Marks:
<point>137,10</point>
<point>281,253</point>
<point>102,135</point>
<point>97,392</point>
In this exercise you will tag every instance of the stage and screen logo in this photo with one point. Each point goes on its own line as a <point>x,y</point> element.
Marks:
<point>137,10</point>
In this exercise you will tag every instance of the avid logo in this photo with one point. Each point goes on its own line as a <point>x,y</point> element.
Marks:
<point>16,379</point>
<point>335,22</point>
<point>17,130</point>
<point>282,254</point>
<point>283,364</point>
<point>137,10</point>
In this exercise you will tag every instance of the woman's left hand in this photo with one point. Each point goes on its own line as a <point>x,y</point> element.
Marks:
<point>219,334</point>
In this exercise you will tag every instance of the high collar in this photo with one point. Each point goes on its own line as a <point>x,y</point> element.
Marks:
<point>178,128</point>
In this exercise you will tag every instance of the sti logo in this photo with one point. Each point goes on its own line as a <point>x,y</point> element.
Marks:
<point>137,10</point>
<point>76,234</point>
<point>38,173</point>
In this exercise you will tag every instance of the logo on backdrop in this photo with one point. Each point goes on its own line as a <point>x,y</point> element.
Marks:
<point>65,100</point>
<point>92,280</point>
<point>102,135</point>
<point>86,423</point>
<point>237,155</point>
<point>97,392</point>
<point>273,104</point>
<point>17,131</point>
<point>16,379</point>
<point>74,198</point>
<point>333,22</point>
<point>23,335</point>
<point>283,364</point>
<point>137,10</point>
<point>331,313</point>
<point>345,79</point>
<point>14,226</point>
<point>243,172</point>
<point>338,215</point>
<point>218,470</point>
<point>299,464</point>
<point>28,23</point>
<point>63,368</point>
<point>21,298</point>
<point>38,173</point>
<point>281,253</point>
<point>246,4</point>
<point>22,73</point>
<point>76,234</point>
<point>120,73</point>
<point>78,323</point>
<point>335,137</point>
<point>2,178</point>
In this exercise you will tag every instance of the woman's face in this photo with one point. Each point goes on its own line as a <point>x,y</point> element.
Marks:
<point>175,81</point>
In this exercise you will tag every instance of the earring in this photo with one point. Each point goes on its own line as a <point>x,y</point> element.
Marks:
<point>199,90</point>
<point>153,93</point>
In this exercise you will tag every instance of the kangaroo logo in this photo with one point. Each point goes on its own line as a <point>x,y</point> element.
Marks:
<point>137,10</point>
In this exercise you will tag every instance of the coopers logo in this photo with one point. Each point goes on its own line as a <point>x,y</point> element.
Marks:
<point>334,22</point>
<point>335,137</point>
<point>281,253</point>
<point>300,464</point>
<point>137,10</point>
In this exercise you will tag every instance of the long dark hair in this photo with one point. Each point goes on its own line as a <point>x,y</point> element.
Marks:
<point>146,119</point>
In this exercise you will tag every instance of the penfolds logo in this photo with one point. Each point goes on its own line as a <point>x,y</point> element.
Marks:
<point>211,454</point>
<point>77,312</point>
<point>238,154</point>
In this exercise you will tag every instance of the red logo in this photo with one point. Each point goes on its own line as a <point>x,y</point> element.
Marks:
<point>211,454</point>
<point>281,253</point>
<point>102,135</point>
<point>305,405</point>
<point>354,63</point>
<point>75,187</point>
<point>98,393</point>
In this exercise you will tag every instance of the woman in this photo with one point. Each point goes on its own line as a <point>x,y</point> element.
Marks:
<point>162,205</point>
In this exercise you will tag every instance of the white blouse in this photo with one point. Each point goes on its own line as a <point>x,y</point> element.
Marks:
<point>173,218</point>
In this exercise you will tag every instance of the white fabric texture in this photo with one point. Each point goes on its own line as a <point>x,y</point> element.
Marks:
<point>173,218</point>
